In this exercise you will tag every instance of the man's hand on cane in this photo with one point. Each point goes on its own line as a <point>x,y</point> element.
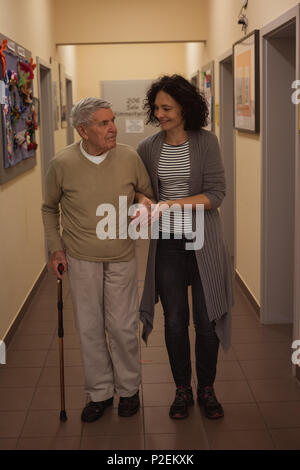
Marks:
<point>56,258</point>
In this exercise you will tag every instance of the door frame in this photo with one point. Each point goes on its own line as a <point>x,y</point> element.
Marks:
<point>46,124</point>
<point>225,57</point>
<point>69,100</point>
<point>290,15</point>
<point>46,117</point>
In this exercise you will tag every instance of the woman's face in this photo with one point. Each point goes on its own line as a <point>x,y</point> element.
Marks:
<point>168,112</point>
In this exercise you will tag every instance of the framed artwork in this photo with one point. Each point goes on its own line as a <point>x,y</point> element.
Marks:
<point>63,96</point>
<point>246,83</point>
<point>55,106</point>
<point>18,118</point>
<point>207,87</point>
<point>195,79</point>
<point>55,92</point>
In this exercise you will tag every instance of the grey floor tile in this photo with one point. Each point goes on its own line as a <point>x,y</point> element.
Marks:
<point>157,421</point>
<point>134,442</point>
<point>11,423</point>
<point>197,441</point>
<point>241,440</point>
<point>8,444</point>
<point>28,358</point>
<point>267,369</point>
<point>237,416</point>
<point>286,439</point>
<point>281,414</point>
<point>15,399</point>
<point>275,390</point>
<point>19,376</point>
<point>260,398</point>
<point>49,443</point>
<point>41,424</point>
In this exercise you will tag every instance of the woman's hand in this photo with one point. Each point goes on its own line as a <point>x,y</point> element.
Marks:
<point>158,209</point>
<point>143,209</point>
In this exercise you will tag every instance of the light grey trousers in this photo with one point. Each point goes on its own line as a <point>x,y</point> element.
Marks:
<point>105,301</point>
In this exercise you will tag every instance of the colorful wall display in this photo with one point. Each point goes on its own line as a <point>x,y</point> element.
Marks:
<point>18,114</point>
<point>207,86</point>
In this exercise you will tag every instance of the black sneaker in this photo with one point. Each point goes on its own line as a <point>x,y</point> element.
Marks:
<point>207,398</point>
<point>128,406</point>
<point>94,410</point>
<point>183,399</point>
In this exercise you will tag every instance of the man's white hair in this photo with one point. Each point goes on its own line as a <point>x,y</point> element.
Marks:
<point>82,111</point>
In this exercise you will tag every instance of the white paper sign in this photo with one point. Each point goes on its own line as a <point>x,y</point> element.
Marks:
<point>134,126</point>
<point>2,92</point>
<point>21,51</point>
<point>11,46</point>
<point>2,352</point>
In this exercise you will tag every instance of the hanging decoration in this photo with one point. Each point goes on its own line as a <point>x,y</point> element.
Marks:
<point>26,77</point>
<point>18,113</point>
<point>2,56</point>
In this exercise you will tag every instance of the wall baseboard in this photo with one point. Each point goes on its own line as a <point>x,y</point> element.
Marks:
<point>248,294</point>
<point>9,336</point>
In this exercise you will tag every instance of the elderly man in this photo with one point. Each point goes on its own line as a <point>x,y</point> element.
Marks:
<point>102,271</point>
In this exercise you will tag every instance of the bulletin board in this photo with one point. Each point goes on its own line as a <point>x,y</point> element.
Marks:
<point>17,115</point>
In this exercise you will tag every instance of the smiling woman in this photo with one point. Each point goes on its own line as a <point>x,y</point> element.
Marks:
<point>169,114</point>
<point>192,103</point>
<point>185,166</point>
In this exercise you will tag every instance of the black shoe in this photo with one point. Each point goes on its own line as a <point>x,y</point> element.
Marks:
<point>94,410</point>
<point>207,398</point>
<point>128,406</point>
<point>183,399</point>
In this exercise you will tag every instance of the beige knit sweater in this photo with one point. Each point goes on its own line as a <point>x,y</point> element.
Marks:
<point>78,187</point>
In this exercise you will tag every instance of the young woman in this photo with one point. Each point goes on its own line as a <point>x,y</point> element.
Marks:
<point>185,166</point>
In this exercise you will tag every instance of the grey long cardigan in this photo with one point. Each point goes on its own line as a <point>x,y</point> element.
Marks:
<point>207,177</point>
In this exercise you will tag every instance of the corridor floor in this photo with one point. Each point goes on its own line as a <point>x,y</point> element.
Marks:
<point>254,382</point>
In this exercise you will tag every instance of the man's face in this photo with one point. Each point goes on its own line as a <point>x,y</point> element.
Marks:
<point>100,136</point>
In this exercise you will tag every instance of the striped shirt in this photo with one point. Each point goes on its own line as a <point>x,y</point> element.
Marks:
<point>174,169</point>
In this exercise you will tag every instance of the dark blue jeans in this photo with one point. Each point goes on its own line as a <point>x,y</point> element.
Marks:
<point>176,268</point>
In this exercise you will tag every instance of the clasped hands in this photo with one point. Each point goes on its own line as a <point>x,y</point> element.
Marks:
<point>146,213</point>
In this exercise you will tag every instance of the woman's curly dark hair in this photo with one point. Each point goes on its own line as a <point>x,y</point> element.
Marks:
<point>193,104</point>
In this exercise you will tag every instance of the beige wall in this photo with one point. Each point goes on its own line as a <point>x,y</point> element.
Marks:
<point>125,62</point>
<point>194,57</point>
<point>223,31</point>
<point>96,21</point>
<point>22,256</point>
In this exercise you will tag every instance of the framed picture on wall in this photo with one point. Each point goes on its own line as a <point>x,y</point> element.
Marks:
<point>207,87</point>
<point>246,83</point>
<point>55,106</point>
<point>18,123</point>
<point>63,96</point>
<point>195,79</point>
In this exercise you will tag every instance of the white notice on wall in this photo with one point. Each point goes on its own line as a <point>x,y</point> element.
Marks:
<point>134,126</point>
<point>2,92</point>
<point>2,352</point>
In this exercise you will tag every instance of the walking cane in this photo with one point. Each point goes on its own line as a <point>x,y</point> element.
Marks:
<point>63,415</point>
